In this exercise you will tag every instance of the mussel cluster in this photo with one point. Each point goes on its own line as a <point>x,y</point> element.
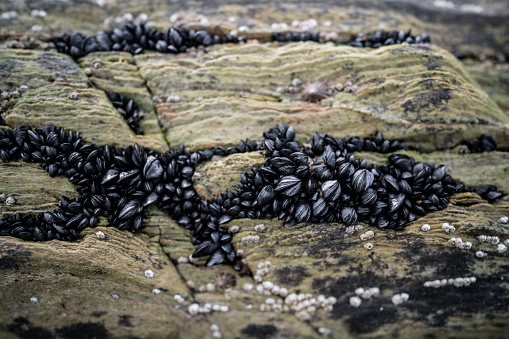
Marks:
<point>381,38</point>
<point>129,110</point>
<point>296,36</point>
<point>137,37</point>
<point>320,182</point>
<point>485,143</point>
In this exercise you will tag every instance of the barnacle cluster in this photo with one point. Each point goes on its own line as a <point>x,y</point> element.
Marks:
<point>322,182</point>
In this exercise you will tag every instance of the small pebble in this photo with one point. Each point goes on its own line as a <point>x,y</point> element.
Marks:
<point>115,296</point>
<point>156,291</point>
<point>34,300</point>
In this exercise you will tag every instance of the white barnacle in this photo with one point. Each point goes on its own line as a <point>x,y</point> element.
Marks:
<point>182,260</point>
<point>355,301</point>
<point>34,300</point>
<point>291,298</point>
<point>368,246</point>
<point>270,301</point>
<point>494,240</point>
<point>267,285</point>
<point>224,308</point>
<point>193,309</point>
<point>324,331</point>
<point>359,291</point>
<point>296,82</point>
<point>283,292</point>
<point>38,13</point>
<point>366,294</point>
<point>149,273</point>
<point>501,248</point>
<point>234,229</point>
<point>398,299</point>
<point>248,287</point>
<point>436,283</point>
<point>503,220</point>
<point>480,254</point>
<point>375,291</point>
<point>9,15</point>
<point>178,298</point>
<point>10,201</point>
<point>425,228</point>
<point>482,238</point>
<point>458,282</point>
<point>173,98</point>
<point>211,287</point>
<point>156,291</point>
<point>250,239</point>
<point>100,234</point>
<point>332,300</point>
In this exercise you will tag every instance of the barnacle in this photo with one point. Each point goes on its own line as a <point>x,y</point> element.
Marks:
<point>315,91</point>
<point>223,281</point>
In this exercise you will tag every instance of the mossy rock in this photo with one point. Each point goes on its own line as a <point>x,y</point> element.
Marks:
<point>420,94</point>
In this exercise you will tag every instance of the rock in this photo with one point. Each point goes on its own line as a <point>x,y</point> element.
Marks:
<point>305,275</point>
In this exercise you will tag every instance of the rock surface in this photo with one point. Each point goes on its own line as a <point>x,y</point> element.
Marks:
<point>102,286</point>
